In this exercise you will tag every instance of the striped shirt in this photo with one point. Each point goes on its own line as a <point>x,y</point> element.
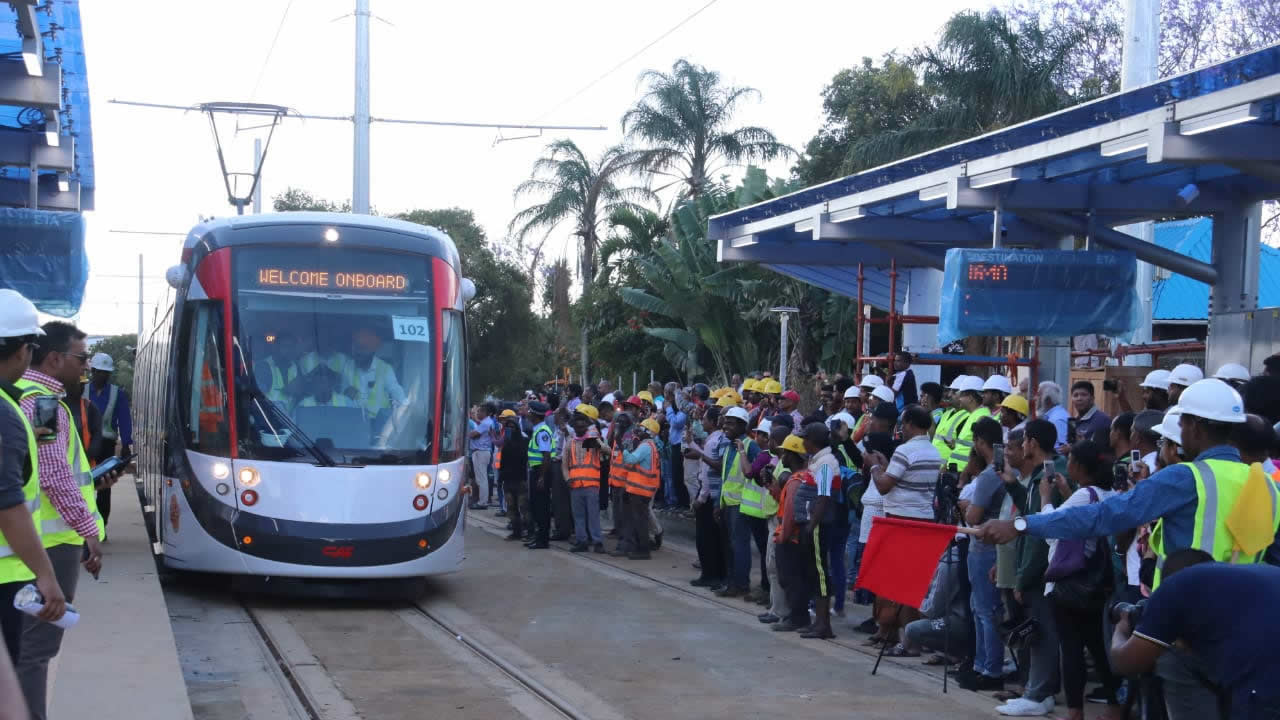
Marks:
<point>56,478</point>
<point>915,465</point>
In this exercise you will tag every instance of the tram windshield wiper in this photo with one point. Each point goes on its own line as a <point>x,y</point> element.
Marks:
<point>295,431</point>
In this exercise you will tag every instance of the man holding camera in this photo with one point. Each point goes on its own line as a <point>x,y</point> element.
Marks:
<point>1230,654</point>
<point>1192,502</point>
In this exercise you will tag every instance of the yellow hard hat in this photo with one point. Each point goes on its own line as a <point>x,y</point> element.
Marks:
<point>508,413</point>
<point>587,410</point>
<point>717,393</point>
<point>645,395</point>
<point>751,384</point>
<point>726,401</point>
<point>771,387</point>
<point>651,425</point>
<point>1016,403</point>
<point>794,444</point>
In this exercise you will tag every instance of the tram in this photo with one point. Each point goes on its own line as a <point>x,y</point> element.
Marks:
<point>300,404</point>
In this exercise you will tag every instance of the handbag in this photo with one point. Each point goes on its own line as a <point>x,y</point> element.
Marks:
<point>1088,587</point>
<point>1068,555</point>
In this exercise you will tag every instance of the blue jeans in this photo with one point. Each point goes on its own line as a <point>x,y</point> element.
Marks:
<point>985,601</point>
<point>838,539</point>
<point>740,542</point>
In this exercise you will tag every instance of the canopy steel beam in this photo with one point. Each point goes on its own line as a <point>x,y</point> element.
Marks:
<point>1118,198</point>
<point>1246,143</point>
<point>1147,252</point>
<point>893,229</point>
<point>15,193</point>
<point>23,149</point>
<point>26,10</point>
<point>803,253</point>
<point>22,90</point>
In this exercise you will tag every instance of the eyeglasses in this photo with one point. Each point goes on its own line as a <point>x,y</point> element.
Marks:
<point>82,357</point>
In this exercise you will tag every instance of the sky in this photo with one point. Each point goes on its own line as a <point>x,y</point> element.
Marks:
<point>484,61</point>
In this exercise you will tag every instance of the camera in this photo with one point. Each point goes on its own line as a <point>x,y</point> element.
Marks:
<point>1131,610</point>
<point>946,496</point>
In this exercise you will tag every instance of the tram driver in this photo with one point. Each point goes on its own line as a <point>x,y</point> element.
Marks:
<point>371,381</point>
<point>321,389</point>
<point>277,368</point>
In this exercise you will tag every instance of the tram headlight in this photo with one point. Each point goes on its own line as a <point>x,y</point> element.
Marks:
<point>331,235</point>
<point>423,480</point>
<point>249,477</point>
<point>445,476</point>
<point>221,471</point>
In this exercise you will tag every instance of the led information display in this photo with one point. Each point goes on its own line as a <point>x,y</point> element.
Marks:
<point>1054,293</point>
<point>331,271</point>
<point>324,279</point>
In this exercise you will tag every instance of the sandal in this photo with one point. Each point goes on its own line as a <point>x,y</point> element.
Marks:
<point>899,651</point>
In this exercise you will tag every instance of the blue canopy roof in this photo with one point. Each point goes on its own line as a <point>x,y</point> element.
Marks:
<point>1082,171</point>
<point>1179,298</point>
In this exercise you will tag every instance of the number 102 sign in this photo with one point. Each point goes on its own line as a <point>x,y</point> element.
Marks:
<point>412,329</point>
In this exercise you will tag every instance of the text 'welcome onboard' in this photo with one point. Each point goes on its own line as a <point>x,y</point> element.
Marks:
<point>329,280</point>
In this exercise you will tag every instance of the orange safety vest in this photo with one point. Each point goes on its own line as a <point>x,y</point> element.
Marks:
<point>497,459</point>
<point>584,466</point>
<point>618,471</point>
<point>210,402</point>
<point>85,436</point>
<point>644,482</point>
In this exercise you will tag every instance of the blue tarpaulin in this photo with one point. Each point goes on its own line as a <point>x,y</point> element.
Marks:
<point>43,258</point>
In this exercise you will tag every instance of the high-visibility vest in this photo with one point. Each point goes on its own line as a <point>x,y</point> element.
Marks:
<point>945,436</point>
<point>1219,484</point>
<point>644,481</point>
<point>376,399</point>
<point>535,455</point>
<point>337,399</point>
<point>276,393</point>
<point>86,435</point>
<point>12,569</point>
<point>732,477</point>
<point>497,458</point>
<point>584,466</point>
<point>53,529</point>
<point>964,437</point>
<point>108,431</point>
<point>618,470</point>
<point>757,501</point>
<point>210,402</point>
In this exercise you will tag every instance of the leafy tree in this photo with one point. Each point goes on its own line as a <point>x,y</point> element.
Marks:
<point>684,119</point>
<point>121,348</point>
<point>579,192</point>
<point>632,233</point>
<point>296,199</point>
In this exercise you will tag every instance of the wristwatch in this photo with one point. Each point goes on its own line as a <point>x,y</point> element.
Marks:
<point>1020,524</point>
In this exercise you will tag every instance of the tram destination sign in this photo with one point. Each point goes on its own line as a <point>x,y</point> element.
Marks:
<point>1052,293</point>
<point>331,270</point>
<point>344,281</point>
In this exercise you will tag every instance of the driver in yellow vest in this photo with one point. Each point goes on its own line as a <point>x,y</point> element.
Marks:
<point>68,518</point>
<point>277,367</point>
<point>1190,504</point>
<point>321,390</point>
<point>22,556</point>
<point>370,380</point>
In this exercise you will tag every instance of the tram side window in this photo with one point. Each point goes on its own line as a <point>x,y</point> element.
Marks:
<point>203,391</point>
<point>453,396</point>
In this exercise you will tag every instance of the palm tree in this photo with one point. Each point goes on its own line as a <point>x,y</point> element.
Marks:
<point>683,119</point>
<point>580,192</point>
<point>632,233</point>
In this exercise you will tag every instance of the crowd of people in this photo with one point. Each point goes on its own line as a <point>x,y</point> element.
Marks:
<point>1069,519</point>
<point>54,428</point>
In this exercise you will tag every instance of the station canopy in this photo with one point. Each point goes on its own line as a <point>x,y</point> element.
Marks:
<point>1200,144</point>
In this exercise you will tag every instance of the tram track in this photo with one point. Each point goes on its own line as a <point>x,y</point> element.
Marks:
<point>290,656</point>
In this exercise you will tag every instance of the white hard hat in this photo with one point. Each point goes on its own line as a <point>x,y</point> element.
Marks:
<point>608,399</point>
<point>18,317</point>
<point>1185,374</point>
<point>738,413</point>
<point>871,381</point>
<point>884,392</point>
<point>851,392</point>
<point>764,426</point>
<point>1169,427</point>
<point>1212,399</point>
<point>972,382</point>
<point>1233,371</point>
<point>102,361</point>
<point>958,383</point>
<point>843,417</point>
<point>998,382</point>
<point>1158,379</point>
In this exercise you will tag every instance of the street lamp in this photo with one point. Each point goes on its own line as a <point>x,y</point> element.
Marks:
<point>784,312</point>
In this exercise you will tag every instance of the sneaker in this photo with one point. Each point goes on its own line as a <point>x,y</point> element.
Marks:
<point>1025,707</point>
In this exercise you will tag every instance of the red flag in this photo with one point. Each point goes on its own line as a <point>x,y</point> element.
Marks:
<point>901,557</point>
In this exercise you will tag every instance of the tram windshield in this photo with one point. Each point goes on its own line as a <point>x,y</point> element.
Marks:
<point>334,356</point>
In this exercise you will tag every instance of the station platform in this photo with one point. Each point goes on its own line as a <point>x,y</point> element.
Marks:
<point>120,661</point>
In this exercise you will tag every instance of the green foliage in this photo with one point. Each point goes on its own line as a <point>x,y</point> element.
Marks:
<point>121,349</point>
<point>296,199</point>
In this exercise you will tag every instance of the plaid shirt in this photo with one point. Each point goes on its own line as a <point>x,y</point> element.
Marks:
<point>56,478</point>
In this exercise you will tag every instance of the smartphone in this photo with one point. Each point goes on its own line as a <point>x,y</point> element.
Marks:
<point>47,413</point>
<point>1048,469</point>
<point>1071,430</point>
<point>998,459</point>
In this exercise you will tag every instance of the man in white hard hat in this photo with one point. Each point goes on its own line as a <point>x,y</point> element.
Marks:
<point>1233,374</point>
<point>22,555</point>
<point>944,434</point>
<point>970,399</point>
<point>1190,502</point>
<point>117,426</point>
<point>1180,378</point>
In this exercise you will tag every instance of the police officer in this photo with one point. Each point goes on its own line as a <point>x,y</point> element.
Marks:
<point>22,556</point>
<point>542,449</point>
<point>1190,504</point>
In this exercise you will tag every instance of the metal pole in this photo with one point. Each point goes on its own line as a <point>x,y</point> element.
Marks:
<point>633,382</point>
<point>782,353</point>
<point>893,302</point>
<point>1138,68</point>
<point>257,169</point>
<point>858,348</point>
<point>360,164</point>
<point>139,296</point>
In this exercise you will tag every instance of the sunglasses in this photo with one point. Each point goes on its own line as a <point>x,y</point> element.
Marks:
<point>82,357</point>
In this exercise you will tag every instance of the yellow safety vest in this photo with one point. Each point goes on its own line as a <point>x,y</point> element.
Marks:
<point>732,477</point>
<point>337,400</point>
<point>945,432</point>
<point>757,501</point>
<point>12,569</point>
<point>53,529</point>
<point>376,399</point>
<point>964,438</point>
<point>1218,487</point>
